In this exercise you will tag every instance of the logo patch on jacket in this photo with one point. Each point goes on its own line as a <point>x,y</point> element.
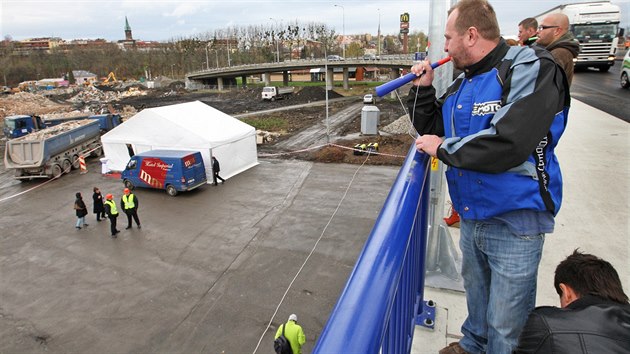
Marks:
<point>490,107</point>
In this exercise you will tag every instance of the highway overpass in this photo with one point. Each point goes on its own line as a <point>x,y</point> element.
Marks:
<point>226,76</point>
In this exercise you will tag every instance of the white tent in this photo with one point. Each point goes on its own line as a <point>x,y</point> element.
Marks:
<point>191,126</point>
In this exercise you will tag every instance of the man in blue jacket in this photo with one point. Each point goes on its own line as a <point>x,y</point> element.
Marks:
<point>496,128</point>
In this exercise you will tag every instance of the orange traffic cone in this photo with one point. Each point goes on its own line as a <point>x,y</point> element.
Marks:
<point>453,219</point>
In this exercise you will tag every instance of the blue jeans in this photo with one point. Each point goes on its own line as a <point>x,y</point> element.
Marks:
<point>80,221</point>
<point>499,270</point>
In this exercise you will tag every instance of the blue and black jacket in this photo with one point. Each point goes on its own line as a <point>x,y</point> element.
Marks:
<point>501,119</point>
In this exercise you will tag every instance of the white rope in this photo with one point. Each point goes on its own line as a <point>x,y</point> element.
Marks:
<point>309,255</point>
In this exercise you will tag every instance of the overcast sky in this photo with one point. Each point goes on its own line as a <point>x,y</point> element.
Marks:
<point>162,20</point>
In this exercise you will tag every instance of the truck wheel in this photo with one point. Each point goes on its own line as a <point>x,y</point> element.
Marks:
<point>76,164</point>
<point>128,184</point>
<point>170,190</point>
<point>273,99</point>
<point>66,166</point>
<point>98,152</point>
<point>56,171</point>
<point>604,69</point>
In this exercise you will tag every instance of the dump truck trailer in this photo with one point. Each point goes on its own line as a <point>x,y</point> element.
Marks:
<point>53,151</point>
<point>20,125</point>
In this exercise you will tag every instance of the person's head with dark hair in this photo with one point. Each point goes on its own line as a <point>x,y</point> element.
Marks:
<point>472,31</point>
<point>582,274</point>
<point>527,29</point>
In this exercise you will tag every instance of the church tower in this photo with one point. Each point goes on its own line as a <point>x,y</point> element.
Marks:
<point>128,36</point>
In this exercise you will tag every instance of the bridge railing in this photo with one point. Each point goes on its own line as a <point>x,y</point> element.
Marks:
<point>379,304</point>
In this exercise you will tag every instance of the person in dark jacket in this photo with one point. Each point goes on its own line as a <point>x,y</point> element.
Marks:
<point>99,207</point>
<point>594,316</point>
<point>80,210</point>
<point>496,128</point>
<point>215,171</point>
<point>112,213</point>
<point>554,35</point>
<point>129,202</point>
<point>527,30</point>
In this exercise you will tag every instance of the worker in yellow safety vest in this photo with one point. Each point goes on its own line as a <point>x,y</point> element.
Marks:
<point>129,202</point>
<point>112,213</point>
<point>294,333</point>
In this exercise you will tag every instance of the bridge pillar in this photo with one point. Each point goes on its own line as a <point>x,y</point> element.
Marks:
<point>330,79</point>
<point>285,78</point>
<point>244,80</point>
<point>267,78</point>
<point>395,73</point>
<point>345,78</point>
<point>220,83</point>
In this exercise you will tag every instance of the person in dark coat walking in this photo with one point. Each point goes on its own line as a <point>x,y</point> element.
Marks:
<point>99,207</point>
<point>81,211</point>
<point>112,213</point>
<point>215,171</point>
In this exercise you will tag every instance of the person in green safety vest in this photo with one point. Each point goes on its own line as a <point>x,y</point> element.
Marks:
<point>129,203</point>
<point>293,333</point>
<point>112,213</point>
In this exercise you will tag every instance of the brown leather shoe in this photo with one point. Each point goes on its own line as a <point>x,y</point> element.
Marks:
<point>453,348</point>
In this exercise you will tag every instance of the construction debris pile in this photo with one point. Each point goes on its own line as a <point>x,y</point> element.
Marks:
<point>72,114</point>
<point>30,104</point>
<point>92,93</point>
<point>54,130</point>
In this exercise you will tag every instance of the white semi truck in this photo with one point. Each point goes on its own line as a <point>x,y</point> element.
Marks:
<point>596,26</point>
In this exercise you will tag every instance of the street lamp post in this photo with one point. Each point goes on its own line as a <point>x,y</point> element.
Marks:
<point>326,79</point>
<point>207,61</point>
<point>277,47</point>
<point>379,33</point>
<point>326,89</point>
<point>343,43</point>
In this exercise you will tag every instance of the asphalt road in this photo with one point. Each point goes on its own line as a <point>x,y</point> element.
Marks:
<point>602,91</point>
<point>203,275</point>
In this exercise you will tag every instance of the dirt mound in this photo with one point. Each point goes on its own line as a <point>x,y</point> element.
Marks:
<point>314,93</point>
<point>392,151</point>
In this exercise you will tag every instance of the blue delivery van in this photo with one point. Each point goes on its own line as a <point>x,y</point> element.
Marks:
<point>172,170</point>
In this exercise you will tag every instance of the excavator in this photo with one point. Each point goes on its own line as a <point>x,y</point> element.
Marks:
<point>110,79</point>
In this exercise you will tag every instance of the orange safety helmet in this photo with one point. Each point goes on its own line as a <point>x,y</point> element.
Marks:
<point>109,196</point>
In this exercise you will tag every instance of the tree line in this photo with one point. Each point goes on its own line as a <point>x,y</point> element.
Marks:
<point>230,46</point>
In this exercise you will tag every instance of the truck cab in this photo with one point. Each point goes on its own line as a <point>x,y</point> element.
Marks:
<point>106,122</point>
<point>20,125</point>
